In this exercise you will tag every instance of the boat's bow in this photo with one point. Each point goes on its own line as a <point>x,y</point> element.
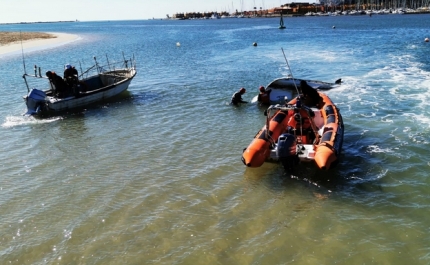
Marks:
<point>289,87</point>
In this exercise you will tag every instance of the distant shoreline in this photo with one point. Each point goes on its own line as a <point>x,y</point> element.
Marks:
<point>191,16</point>
<point>37,22</point>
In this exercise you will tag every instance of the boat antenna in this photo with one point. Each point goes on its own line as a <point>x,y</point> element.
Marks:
<point>291,73</point>
<point>22,52</point>
<point>107,59</point>
<point>80,67</point>
<point>297,90</point>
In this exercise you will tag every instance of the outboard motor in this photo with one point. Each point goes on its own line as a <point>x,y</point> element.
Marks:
<point>286,151</point>
<point>35,100</point>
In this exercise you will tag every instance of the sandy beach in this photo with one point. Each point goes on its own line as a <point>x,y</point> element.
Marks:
<point>10,42</point>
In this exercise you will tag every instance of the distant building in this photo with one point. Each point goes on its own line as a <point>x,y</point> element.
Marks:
<point>299,8</point>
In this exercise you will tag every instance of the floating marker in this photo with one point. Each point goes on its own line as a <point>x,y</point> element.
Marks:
<point>334,27</point>
<point>426,39</point>
<point>178,44</point>
<point>254,44</point>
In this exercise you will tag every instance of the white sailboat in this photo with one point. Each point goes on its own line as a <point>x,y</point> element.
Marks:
<point>281,23</point>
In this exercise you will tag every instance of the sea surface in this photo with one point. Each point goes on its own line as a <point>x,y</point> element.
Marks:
<point>155,176</point>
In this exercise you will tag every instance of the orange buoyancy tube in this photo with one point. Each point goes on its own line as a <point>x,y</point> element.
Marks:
<point>328,150</point>
<point>259,149</point>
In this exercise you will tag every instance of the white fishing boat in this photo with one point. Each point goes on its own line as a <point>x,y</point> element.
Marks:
<point>281,23</point>
<point>93,85</point>
<point>280,88</point>
<point>215,16</point>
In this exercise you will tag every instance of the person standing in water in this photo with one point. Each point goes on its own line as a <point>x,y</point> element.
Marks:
<point>264,96</point>
<point>237,97</point>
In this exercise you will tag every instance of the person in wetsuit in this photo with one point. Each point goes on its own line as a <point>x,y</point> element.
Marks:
<point>310,96</point>
<point>237,97</point>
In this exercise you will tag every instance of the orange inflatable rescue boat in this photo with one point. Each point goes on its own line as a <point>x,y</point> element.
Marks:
<point>299,131</point>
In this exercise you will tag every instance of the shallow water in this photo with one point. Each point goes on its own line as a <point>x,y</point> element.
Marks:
<point>155,177</point>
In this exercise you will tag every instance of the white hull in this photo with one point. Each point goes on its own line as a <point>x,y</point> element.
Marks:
<point>69,103</point>
<point>288,86</point>
<point>93,88</point>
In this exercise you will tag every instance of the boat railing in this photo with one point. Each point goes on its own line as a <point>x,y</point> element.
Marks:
<point>37,76</point>
<point>273,109</point>
<point>36,82</point>
<point>119,69</point>
<point>110,68</point>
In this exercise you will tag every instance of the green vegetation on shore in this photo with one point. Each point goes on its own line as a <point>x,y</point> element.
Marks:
<point>11,37</point>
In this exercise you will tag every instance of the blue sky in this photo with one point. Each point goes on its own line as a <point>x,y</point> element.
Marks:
<point>12,11</point>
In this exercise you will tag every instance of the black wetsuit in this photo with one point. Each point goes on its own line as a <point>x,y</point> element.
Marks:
<point>311,96</point>
<point>237,98</point>
<point>59,84</point>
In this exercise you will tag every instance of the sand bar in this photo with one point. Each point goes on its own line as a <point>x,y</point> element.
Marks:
<point>34,41</point>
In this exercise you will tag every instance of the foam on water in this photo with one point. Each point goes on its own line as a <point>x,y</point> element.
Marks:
<point>16,121</point>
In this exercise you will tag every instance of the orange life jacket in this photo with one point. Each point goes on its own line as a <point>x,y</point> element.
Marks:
<point>264,97</point>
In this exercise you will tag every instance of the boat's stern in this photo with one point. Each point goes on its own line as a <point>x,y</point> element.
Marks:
<point>305,153</point>
<point>35,101</point>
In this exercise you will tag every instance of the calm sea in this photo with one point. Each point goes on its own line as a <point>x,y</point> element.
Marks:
<point>155,176</point>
